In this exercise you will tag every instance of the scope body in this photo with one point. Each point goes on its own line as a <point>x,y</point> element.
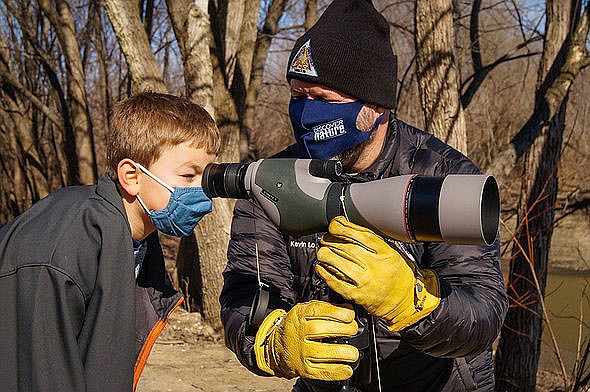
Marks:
<point>301,196</point>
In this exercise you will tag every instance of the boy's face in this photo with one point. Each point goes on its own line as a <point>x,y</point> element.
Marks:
<point>179,166</point>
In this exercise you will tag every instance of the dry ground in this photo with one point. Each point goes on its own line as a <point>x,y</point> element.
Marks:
<point>190,357</point>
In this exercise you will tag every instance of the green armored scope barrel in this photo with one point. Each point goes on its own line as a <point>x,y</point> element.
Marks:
<point>301,196</point>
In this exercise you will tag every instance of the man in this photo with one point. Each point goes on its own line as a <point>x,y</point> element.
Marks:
<point>437,317</point>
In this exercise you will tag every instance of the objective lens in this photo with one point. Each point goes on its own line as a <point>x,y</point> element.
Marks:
<point>225,180</point>
<point>490,209</point>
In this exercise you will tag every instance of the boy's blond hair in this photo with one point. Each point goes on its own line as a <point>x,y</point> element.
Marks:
<point>147,124</point>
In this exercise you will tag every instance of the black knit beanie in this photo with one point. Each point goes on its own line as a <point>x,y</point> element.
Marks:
<point>348,49</point>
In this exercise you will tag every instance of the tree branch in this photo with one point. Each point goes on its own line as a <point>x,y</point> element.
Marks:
<point>474,37</point>
<point>478,77</point>
<point>572,208</point>
<point>572,56</point>
<point>51,115</point>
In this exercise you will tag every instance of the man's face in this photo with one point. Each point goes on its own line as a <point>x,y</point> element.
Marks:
<point>364,122</point>
<point>178,166</point>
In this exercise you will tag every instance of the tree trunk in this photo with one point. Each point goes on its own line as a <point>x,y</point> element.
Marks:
<point>28,179</point>
<point>248,110</point>
<point>141,62</point>
<point>243,69</point>
<point>231,84</point>
<point>190,20</point>
<point>13,189</point>
<point>15,185</point>
<point>230,29</point>
<point>213,232</point>
<point>518,353</point>
<point>83,168</point>
<point>437,72</point>
<point>103,74</point>
<point>311,13</point>
<point>572,57</point>
<point>192,29</point>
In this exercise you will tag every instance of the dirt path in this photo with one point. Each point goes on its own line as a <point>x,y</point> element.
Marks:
<point>204,366</point>
<point>188,357</point>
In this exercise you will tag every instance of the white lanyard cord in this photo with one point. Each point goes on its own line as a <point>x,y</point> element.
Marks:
<point>376,353</point>
<point>257,265</point>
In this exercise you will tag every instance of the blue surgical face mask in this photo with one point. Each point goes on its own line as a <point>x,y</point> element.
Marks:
<point>184,210</point>
<point>325,129</point>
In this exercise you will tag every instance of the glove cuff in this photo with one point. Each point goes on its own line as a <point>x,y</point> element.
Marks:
<point>426,299</point>
<point>263,340</point>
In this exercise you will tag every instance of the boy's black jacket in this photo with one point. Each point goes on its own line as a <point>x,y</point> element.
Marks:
<point>72,315</point>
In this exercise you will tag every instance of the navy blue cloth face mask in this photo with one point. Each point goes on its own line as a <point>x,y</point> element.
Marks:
<point>184,210</point>
<point>325,129</point>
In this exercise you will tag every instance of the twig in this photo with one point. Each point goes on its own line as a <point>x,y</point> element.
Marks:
<point>542,301</point>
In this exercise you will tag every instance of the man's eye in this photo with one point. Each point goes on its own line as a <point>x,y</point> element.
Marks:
<point>320,98</point>
<point>188,176</point>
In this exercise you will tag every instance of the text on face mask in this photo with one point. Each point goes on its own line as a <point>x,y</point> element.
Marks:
<point>329,130</point>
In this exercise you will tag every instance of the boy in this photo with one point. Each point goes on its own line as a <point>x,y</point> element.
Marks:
<point>83,288</point>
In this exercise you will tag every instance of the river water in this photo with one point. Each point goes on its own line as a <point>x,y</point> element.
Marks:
<point>567,298</point>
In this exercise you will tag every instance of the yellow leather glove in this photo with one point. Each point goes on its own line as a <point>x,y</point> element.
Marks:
<point>289,344</point>
<point>360,266</point>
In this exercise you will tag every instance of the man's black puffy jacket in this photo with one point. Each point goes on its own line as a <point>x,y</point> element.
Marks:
<point>448,350</point>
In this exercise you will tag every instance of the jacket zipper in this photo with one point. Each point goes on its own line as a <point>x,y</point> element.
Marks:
<point>149,344</point>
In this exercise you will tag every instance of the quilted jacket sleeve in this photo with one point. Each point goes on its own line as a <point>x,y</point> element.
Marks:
<point>473,303</point>
<point>251,228</point>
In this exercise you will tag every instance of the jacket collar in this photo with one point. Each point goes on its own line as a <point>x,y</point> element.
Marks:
<point>383,165</point>
<point>107,189</point>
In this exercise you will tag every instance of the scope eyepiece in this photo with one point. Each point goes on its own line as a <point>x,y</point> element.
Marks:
<point>329,169</point>
<point>225,180</point>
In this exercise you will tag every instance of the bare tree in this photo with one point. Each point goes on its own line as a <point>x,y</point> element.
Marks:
<point>83,169</point>
<point>311,13</point>
<point>518,353</point>
<point>74,119</point>
<point>131,35</point>
<point>436,71</point>
<point>23,158</point>
<point>223,74</point>
<point>192,31</point>
<point>238,56</point>
<point>191,26</point>
<point>481,70</point>
<point>572,57</point>
<point>193,34</point>
<point>248,106</point>
<point>46,101</point>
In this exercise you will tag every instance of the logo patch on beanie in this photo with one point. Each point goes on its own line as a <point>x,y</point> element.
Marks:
<point>302,62</point>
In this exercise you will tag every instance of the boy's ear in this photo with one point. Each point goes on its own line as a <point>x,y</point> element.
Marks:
<point>128,175</point>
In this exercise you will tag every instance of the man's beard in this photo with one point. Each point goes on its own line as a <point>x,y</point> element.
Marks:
<point>349,157</point>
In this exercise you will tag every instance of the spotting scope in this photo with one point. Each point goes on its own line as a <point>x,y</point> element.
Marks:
<point>301,196</point>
